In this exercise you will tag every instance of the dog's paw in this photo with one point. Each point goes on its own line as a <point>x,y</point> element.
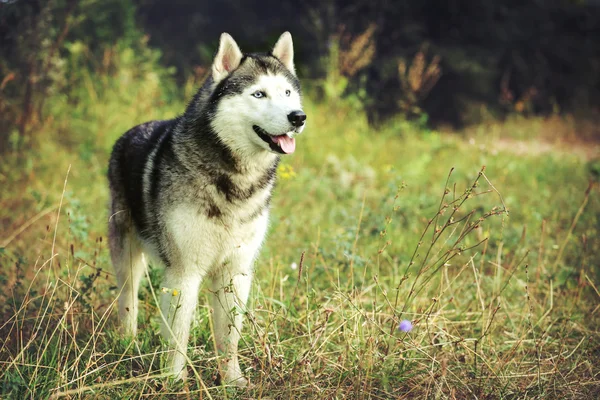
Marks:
<point>236,381</point>
<point>180,375</point>
<point>240,382</point>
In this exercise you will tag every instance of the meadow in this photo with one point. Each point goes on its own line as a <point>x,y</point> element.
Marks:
<point>487,240</point>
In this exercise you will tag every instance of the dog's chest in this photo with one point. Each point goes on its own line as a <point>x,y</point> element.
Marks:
<point>205,242</point>
<point>212,227</point>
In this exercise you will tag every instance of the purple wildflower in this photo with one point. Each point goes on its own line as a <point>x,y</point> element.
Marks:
<point>405,326</point>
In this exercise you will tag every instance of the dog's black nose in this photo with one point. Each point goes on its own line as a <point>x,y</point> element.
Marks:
<point>297,118</point>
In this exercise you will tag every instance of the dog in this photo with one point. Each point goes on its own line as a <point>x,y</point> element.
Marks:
<point>193,194</point>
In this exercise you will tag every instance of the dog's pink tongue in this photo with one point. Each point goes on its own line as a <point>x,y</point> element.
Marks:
<point>287,144</point>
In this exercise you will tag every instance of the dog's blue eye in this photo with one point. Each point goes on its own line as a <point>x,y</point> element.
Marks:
<point>259,94</point>
<point>288,92</point>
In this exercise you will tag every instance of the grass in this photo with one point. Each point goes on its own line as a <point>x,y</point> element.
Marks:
<point>492,253</point>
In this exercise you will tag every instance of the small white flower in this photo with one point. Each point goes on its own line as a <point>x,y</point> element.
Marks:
<point>294,265</point>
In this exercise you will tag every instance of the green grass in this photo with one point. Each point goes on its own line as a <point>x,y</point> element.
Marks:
<point>497,268</point>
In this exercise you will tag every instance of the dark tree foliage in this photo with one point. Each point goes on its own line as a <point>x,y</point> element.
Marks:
<point>497,53</point>
<point>187,31</point>
<point>499,56</point>
<point>507,55</point>
<point>34,35</point>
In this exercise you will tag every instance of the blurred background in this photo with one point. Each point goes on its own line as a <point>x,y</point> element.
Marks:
<point>451,63</point>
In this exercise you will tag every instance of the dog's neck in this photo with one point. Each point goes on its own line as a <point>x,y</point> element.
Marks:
<point>200,145</point>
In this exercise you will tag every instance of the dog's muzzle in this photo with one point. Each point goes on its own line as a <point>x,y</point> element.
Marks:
<point>297,118</point>
<point>283,143</point>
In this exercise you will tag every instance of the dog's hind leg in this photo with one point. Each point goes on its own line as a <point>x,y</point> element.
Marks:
<point>230,290</point>
<point>178,305</point>
<point>129,264</point>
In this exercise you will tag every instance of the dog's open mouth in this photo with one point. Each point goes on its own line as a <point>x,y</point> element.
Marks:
<point>282,144</point>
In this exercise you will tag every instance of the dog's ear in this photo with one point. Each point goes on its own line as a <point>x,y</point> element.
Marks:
<point>227,59</point>
<point>284,51</point>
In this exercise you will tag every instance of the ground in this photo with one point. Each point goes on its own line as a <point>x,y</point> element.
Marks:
<point>485,239</point>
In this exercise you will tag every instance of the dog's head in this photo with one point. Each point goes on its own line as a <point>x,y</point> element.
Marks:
<point>257,98</point>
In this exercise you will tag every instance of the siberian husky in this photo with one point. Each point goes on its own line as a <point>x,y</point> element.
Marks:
<point>193,193</point>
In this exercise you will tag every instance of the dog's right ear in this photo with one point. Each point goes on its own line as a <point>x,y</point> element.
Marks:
<point>227,59</point>
<point>284,51</point>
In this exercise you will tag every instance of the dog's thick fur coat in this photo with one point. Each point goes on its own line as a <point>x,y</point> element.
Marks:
<point>193,194</point>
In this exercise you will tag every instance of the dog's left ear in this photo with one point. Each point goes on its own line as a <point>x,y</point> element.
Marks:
<point>284,51</point>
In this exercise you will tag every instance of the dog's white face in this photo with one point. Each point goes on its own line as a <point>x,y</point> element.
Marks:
<point>259,116</point>
<point>261,109</point>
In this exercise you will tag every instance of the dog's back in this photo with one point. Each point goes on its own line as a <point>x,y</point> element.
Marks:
<point>126,170</point>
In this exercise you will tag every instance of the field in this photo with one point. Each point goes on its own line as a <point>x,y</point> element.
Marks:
<point>487,240</point>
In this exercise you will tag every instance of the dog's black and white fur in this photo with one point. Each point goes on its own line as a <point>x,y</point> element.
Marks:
<point>193,193</point>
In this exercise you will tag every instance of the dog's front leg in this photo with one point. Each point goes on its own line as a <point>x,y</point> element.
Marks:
<point>178,304</point>
<point>230,290</point>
